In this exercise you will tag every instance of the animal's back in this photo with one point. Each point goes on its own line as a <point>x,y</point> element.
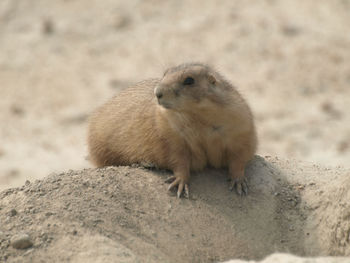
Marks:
<point>117,130</point>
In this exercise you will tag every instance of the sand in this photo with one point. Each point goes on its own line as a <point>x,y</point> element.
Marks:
<point>125,214</point>
<point>59,61</point>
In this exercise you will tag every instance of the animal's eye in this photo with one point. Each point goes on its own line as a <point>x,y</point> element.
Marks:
<point>188,81</point>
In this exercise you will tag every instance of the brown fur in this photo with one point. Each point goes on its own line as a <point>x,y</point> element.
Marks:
<point>188,128</point>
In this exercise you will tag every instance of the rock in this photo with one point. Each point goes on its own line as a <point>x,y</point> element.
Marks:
<point>48,27</point>
<point>48,214</point>
<point>2,236</point>
<point>21,241</point>
<point>17,110</point>
<point>13,212</point>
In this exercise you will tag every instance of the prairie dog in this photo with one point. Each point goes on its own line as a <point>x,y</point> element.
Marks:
<point>187,120</point>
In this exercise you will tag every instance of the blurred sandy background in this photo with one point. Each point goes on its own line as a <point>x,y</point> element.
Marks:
<point>60,59</point>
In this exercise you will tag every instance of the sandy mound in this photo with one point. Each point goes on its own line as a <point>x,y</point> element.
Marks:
<point>125,214</point>
<point>290,59</point>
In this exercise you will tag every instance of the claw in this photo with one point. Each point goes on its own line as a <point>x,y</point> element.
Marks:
<point>170,179</point>
<point>239,189</point>
<point>187,191</point>
<point>181,186</point>
<point>240,185</point>
<point>179,189</point>
<point>174,183</point>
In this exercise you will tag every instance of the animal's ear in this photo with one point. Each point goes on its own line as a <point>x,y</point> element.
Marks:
<point>211,79</point>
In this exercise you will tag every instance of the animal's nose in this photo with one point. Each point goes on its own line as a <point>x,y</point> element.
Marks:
<point>158,93</point>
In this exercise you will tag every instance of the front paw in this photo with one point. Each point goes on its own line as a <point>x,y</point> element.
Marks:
<point>240,185</point>
<point>181,184</point>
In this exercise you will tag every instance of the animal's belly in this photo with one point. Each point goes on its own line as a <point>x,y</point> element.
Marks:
<point>216,154</point>
<point>211,153</point>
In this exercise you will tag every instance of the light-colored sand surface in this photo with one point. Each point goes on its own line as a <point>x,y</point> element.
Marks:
<point>287,258</point>
<point>126,215</point>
